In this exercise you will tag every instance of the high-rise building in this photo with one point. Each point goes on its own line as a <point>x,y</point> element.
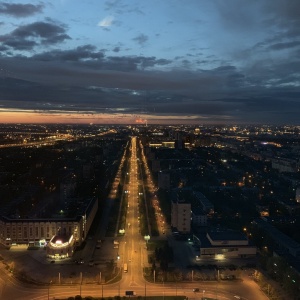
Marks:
<point>180,213</point>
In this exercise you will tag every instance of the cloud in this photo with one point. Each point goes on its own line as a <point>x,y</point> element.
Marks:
<point>112,4</point>
<point>89,57</point>
<point>67,77</point>
<point>81,53</point>
<point>20,10</point>
<point>141,39</point>
<point>26,37</point>
<point>116,49</point>
<point>286,45</point>
<point>225,69</point>
<point>106,22</point>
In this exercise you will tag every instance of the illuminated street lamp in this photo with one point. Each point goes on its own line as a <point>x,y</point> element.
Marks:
<point>49,289</point>
<point>147,238</point>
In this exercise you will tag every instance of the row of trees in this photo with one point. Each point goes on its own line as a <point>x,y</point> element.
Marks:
<point>279,270</point>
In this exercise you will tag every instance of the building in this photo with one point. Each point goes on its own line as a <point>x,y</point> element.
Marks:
<point>204,203</point>
<point>38,232</point>
<point>298,195</point>
<point>283,244</point>
<point>164,180</point>
<point>60,246</point>
<point>199,217</point>
<point>155,165</point>
<point>224,244</point>
<point>180,212</point>
<point>285,165</point>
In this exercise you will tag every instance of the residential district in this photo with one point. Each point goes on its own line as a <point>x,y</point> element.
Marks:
<point>208,202</point>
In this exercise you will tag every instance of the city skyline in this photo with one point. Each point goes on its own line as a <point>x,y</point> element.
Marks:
<point>151,62</point>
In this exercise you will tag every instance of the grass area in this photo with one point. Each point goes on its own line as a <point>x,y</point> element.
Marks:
<point>152,245</point>
<point>150,208</point>
<point>111,228</point>
<point>142,210</point>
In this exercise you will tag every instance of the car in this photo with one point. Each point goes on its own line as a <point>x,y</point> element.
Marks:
<point>91,263</point>
<point>52,261</point>
<point>196,290</point>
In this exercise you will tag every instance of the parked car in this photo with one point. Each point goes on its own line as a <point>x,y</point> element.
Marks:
<point>91,263</point>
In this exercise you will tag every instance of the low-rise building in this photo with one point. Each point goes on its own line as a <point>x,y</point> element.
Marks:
<point>224,244</point>
<point>199,217</point>
<point>38,232</point>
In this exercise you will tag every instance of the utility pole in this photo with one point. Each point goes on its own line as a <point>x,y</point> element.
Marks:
<point>49,289</point>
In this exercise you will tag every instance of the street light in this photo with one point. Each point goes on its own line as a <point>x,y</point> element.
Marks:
<point>203,294</point>
<point>80,287</point>
<point>147,238</point>
<point>119,271</point>
<point>49,289</point>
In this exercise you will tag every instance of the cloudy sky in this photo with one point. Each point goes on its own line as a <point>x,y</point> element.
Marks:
<point>171,61</point>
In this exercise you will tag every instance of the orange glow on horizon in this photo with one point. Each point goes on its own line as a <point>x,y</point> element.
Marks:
<point>31,117</point>
<point>42,118</point>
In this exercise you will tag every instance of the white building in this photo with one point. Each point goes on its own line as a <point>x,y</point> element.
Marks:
<point>225,244</point>
<point>180,213</point>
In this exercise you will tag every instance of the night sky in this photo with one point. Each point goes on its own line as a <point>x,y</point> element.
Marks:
<point>154,61</point>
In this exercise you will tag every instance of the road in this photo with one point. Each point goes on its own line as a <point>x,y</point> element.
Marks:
<point>133,247</point>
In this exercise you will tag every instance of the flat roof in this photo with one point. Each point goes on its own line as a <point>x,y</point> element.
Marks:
<point>227,235</point>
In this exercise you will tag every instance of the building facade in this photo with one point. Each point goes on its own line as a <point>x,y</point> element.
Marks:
<point>38,232</point>
<point>225,244</point>
<point>180,214</point>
